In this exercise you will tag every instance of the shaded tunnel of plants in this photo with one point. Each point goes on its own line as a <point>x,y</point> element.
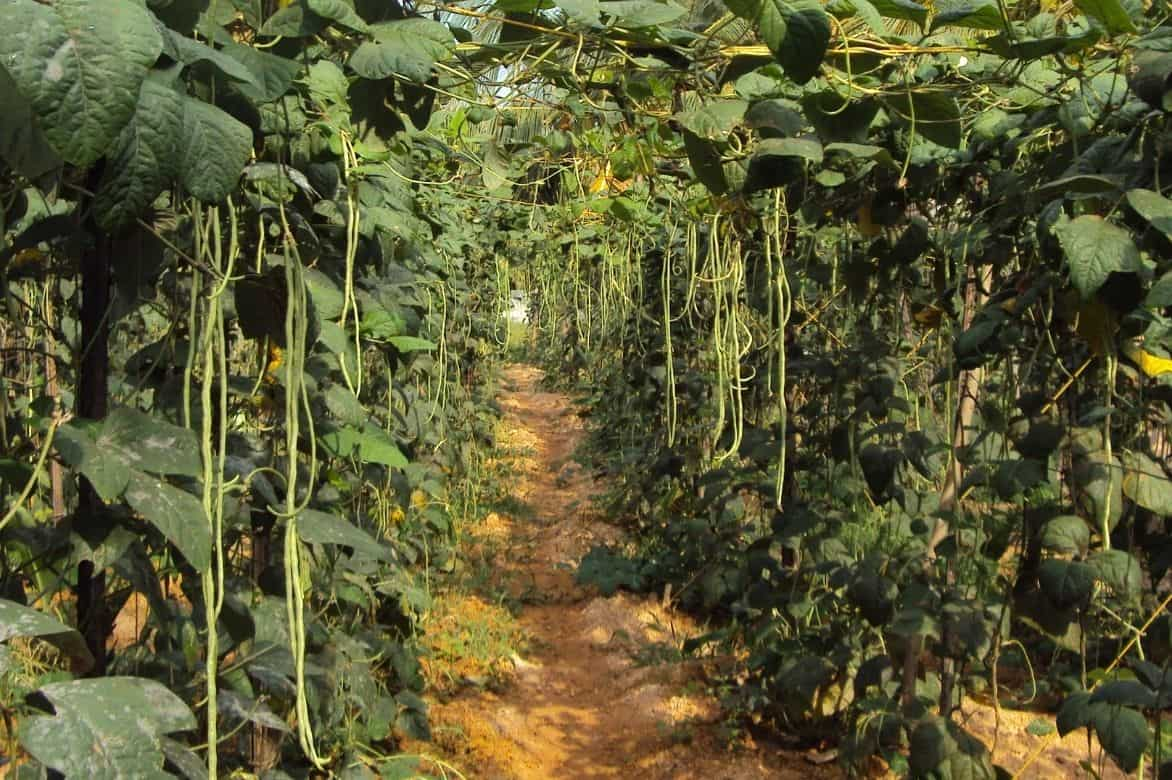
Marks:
<point>865,302</point>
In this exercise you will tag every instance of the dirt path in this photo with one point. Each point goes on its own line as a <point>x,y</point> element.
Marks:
<point>602,691</point>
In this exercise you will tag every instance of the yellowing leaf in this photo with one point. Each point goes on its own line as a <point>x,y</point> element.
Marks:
<point>866,226</point>
<point>1096,326</point>
<point>1152,365</point>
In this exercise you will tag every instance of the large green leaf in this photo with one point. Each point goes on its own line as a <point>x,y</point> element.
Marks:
<point>642,13</point>
<point>19,620</point>
<point>406,47</point>
<point>714,121</point>
<point>376,446</point>
<point>1095,249</point>
<point>1145,483</point>
<point>972,14</point>
<point>1067,583</point>
<point>190,52</point>
<point>706,162</point>
<point>176,513</point>
<point>324,528</point>
<point>22,144</point>
<point>1153,207</point>
<point>272,75</point>
<point>340,11</point>
<point>1066,534</point>
<point>106,728</point>
<point>143,160</point>
<point>147,443</point>
<point>902,9</point>
<point>108,476</point>
<point>1120,571</point>
<point>293,21</point>
<point>213,152</point>
<point>583,12</point>
<point>1109,13</point>
<point>797,32</point>
<point>934,115</point>
<point>941,748</point>
<point>80,64</point>
<point>1123,733</point>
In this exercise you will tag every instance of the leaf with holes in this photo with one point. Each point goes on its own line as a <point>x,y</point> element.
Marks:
<point>80,64</point>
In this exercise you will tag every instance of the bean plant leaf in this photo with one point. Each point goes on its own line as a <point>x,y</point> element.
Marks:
<point>340,11</point>
<point>934,115</point>
<point>1077,711</point>
<point>583,12</point>
<point>971,14</point>
<point>147,443</point>
<point>19,620</point>
<point>411,344</point>
<point>1123,733</point>
<point>143,160</point>
<point>902,9</point>
<point>1066,534</point>
<point>189,51</point>
<point>176,513</point>
<point>105,728</point>
<point>638,14</point>
<point>940,748</point>
<point>778,118</point>
<point>796,31</point>
<point>272,75</point>
<point>295,20</point>
<point>325,528</point>
<point>80,64</point>
<point>376,446</point>
<point>706,162</point>
<point>408,48</point>
<point>1153,207</point>
<point>802,148</point>
<point>213,151</point>
<point>1067,583</point>
<point>1120,571</point>
<point>1145,483</point>
<point>1095,249</point>
<point>1109,13</point>
<point>714,121</point>
<point>108,476</point>
<point>1129,693</point>
<point>22,143</point>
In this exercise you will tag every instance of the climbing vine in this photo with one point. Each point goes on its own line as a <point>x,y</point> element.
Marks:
<point>867,302</point>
